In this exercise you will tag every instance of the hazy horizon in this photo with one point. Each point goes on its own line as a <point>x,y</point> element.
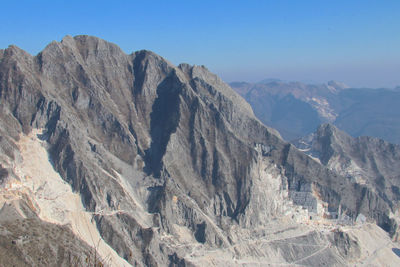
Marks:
<point>354,42</point>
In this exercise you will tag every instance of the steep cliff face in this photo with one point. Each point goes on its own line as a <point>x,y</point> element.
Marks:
<point>365,161</point>
<point>170,163</point>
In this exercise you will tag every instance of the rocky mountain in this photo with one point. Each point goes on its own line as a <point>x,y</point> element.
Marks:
<point>364,160</point>
<point>296,109</point>
<point>130,160</point>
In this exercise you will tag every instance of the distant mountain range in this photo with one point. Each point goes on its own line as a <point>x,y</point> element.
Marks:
<point>296,109</point>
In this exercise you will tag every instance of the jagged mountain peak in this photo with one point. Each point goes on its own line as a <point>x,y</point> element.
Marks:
<point>364,160</point>
<point>148,53</point>
<point>326,142</point>
<point>101,58</point>
<point>83,49</point>
<point>15,55</point>
<point>201,74</point>
<point>329,130</point>
<point>87,42</point>
<point>327,127</point>
<point>166,165</point>
<point>14,49</point>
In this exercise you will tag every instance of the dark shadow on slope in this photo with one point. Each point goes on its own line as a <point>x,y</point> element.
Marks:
<point>3,174</point>
<point>396,251</point>
<point>200,233</point>
<point>164,118</point>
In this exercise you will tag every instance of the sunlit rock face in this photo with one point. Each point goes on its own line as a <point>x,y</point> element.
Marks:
<point>370,162</point>
<point>163,165</point>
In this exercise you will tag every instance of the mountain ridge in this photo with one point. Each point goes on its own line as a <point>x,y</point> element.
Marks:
<point>170,162</point>
<point>366,160</point>
<point>296,109</point>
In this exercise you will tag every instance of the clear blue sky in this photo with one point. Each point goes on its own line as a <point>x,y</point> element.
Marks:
<point>356,42</point>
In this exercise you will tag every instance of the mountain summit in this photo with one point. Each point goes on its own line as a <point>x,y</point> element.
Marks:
<point>130,160</point>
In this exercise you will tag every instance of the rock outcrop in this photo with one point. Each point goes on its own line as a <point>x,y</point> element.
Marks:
<point>171,165</point>
<point>365,161</point>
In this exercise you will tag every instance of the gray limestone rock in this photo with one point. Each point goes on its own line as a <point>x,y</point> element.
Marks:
<point>170,161</point>
<point>370,164</point>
